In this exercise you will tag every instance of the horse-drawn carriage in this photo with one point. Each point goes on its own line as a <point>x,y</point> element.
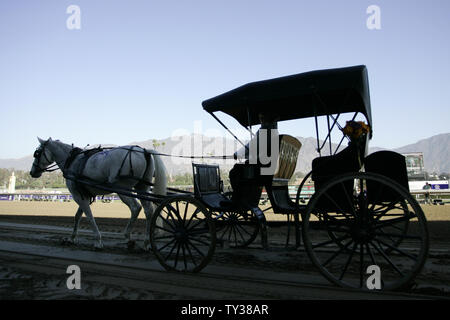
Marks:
<point>361,213</point>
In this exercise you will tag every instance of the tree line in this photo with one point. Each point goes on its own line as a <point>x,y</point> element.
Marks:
<point>53,180</point>
<point>48,180</point>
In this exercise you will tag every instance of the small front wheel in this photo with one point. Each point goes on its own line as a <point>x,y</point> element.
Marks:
<point>182,234</point>
<point>238,228</point>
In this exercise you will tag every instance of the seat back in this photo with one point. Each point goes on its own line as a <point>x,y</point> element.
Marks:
<point>326,168</point>
<point>287,158</point>
<point>247,182</point>
<point>278,188</point>
<point>206,179</point>
<point>388,164</point>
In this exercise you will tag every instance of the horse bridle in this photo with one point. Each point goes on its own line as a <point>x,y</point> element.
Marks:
<point>38,154</point>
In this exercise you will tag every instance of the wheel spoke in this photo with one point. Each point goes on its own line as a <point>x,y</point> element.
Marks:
<point>380,251</point>
<point>334,202</point>
<point>337,253</point>
<point>190,253</point>
<point>184,256</point>
<point>243,229</point>
<point>317,245</point>
<point>348,261</point>
<point>173,248</point>
<point>372,257</point>
<point>193,227</point>
<point>177,212</point>
<point>194,214</point>
<point>348,199</point>
<point>375,201</point>
<point>168,221</point>
<point>199,240</point>
<point>177,254</point>
<point>398,235</point>
<point>391,205</point>
<point>163,237</point>
<point>162,228</point>
<point>361,264</point>
<point>390,222</point>
<point>235,237</point>
<point>195,247</point>
<point>224,232</point>
<point>411,256</point>
<point>166,245</point>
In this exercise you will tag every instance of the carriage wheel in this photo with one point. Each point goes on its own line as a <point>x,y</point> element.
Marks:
<point>375,222</point>
<point>238,228</point>
<point>401,227</point>
<point>182,234</point>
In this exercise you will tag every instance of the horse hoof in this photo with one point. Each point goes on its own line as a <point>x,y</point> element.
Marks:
<point>67,242</point>
<point>98,246</point>
<point>131,244</point>
<point>147,246</point>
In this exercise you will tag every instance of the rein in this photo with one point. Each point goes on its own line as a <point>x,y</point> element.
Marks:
<point>54,167</point>
<point>172,155</point>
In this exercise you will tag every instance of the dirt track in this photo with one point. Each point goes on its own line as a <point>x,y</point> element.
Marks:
<point>435,278</point>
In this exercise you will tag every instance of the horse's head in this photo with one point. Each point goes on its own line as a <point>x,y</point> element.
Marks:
<point>42,158</point>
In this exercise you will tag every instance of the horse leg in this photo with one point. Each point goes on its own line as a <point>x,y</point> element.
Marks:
<point>148,210</point>
<point>135,208</point>
<point>73,237</point>
<point>78,215</point>
<point>85,207</point>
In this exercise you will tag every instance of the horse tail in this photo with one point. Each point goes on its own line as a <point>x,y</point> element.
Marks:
<point>160,185</point>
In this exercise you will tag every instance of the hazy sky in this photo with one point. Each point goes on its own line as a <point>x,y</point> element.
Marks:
<point>138,70</point>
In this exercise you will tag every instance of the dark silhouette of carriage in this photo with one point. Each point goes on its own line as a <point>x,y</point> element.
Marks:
<point>360,214</point>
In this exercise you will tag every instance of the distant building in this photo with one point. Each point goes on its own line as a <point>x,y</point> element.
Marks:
<point>12,184</point>
<point>415,166</point>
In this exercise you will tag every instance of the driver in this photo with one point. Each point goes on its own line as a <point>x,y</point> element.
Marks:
<point>245,178</point>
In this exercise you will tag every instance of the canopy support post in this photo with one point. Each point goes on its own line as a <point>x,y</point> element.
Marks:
<point>223,125</point>
<point>317,136</point>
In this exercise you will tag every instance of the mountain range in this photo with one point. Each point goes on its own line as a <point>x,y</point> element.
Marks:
<point>436,151</point>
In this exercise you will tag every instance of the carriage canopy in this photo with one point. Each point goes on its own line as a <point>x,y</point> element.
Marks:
<point>304,95</point>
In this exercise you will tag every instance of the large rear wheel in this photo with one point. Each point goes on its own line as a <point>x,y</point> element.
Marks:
<point>361,220</point>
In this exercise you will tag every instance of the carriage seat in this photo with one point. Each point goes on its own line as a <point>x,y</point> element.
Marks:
<point>325,168</point>
<point>208,186</point>
<point>277,190</point>
<point>389,164</point>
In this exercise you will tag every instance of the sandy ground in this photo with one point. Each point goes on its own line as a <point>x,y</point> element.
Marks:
<point>49,288</point>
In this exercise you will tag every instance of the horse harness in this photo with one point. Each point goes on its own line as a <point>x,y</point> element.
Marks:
<point>38,154</point>
<point>75,173</point>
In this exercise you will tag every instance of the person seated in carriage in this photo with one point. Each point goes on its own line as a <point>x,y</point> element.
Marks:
<point>259,161</point>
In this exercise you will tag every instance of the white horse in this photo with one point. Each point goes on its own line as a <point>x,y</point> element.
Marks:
<point>128,167</point>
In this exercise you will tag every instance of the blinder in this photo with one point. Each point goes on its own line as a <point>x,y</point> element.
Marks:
<point>37,154</point>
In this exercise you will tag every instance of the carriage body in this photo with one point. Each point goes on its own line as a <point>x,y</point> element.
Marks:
<point>361,213</point>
